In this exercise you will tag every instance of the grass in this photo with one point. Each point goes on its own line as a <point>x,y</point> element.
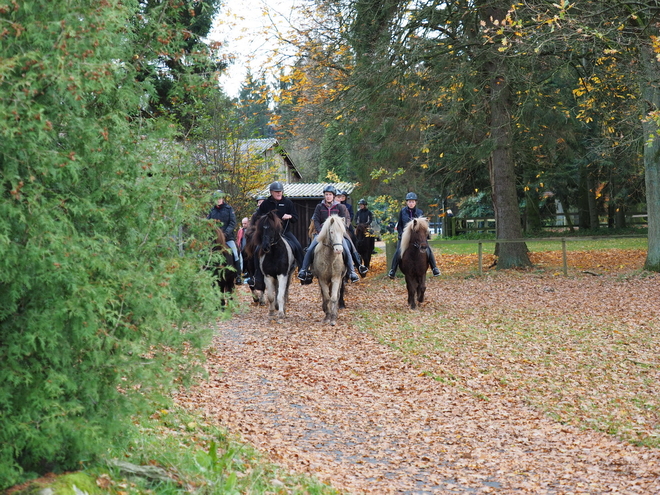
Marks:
<point>469,246</point>
<point>187,455</point>
<point>596,374</point>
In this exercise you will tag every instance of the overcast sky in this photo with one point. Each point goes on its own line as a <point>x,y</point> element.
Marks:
<point>244,26</point>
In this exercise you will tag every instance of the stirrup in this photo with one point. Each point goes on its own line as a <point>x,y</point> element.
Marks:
<point>436,271</point>
<point>392,274</point>
<point>305,276</point>
<point>354,277</point>
<point>363,270</point>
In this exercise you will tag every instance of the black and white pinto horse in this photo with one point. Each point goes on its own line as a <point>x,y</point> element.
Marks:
<point>414,258</point>
<point>276,260</point>
<point>329,266</point>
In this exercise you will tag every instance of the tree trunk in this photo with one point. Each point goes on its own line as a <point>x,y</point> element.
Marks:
<point>594,221</point>
<point>651,101</point>
<point>501,165</point>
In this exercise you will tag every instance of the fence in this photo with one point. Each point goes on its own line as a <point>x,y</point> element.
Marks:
<point>484,225</point>
<point>563,241</point>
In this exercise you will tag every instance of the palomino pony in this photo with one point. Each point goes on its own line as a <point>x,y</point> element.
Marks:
<point>365,243</point>
<point>221,265</point>
<point>276,260</point>
<point>414,259</point>
<point>329,266</point>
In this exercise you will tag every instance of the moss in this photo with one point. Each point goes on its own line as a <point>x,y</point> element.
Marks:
<point>62,485</point>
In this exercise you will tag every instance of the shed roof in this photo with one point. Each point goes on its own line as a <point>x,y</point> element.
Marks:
<point>311,190</point>
<point>262,145</point>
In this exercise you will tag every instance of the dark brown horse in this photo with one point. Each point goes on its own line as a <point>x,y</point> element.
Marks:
<point>248,253</point>
<point>414,259</point>
<point>365,243</point>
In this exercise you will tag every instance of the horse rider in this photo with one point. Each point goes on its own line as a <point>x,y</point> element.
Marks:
<point>363,215</point>
<point>406,214</point>
<point>286,210</point>
<point>341,198</point>
<point>322,212</point>
<point>224,215</point>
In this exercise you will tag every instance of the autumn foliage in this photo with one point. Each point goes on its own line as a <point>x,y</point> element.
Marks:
<point>520,381</point>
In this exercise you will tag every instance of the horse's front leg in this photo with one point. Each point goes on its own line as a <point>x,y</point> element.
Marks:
<point>421,289</point>
<point>333,309</point>
<point>271,290</point>
<point>412,293</point>
<point>282,292</point>
<point>325,297</point>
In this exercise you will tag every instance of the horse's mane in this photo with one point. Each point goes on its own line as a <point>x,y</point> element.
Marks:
<point>250,240</point>
<point>361,229</point>
<point>325,229</point>
<point>220,239</point>
<point>415,231</point>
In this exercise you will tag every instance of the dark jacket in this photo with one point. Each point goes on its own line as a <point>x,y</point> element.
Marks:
<point>322,212</point>
<point>349,207</point>
<point>282,207</point>
<point>224,214</point>
<point>405,216</point>
<point>364,216</point>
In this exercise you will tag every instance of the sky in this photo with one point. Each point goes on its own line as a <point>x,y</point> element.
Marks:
<point>245,29</point>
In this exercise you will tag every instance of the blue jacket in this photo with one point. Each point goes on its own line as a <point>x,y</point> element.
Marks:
<point>224,214</point>
<point>405,216</point>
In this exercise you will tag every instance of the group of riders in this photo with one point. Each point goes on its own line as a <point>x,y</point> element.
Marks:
<point>333,203</point>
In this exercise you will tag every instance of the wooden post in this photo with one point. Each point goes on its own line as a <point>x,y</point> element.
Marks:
<point>480,259</point>
<point>563,253</point>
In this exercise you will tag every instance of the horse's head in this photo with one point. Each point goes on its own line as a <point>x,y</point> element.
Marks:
<point>332,233</point>
<point>415,233</point>
<point>269,229</point>
<point>361,230</point>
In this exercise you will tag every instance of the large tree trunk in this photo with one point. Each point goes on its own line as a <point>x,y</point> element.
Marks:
<point>651,101</point>
<point>501,165</point>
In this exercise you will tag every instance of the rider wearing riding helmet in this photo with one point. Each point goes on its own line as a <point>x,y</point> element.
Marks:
<point>406,214</point>
<point>363,215</point>
<point>287,212</point>
<point>224,214</point>
<point>322,212</point>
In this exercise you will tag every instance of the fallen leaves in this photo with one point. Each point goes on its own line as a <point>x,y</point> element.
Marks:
<point>497,384</point>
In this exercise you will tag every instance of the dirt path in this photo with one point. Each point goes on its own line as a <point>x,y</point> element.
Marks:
<point>338,404</point>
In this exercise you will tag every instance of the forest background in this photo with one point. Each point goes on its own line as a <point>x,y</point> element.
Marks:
<point>114,131</point>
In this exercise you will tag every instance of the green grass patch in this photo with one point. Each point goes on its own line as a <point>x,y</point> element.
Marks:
<point>464,246</point>
<point>179,452</point>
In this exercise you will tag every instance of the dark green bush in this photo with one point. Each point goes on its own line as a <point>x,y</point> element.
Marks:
<point>98,307</point>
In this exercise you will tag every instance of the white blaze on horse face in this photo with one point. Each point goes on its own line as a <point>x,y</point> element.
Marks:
<point>337,237</point>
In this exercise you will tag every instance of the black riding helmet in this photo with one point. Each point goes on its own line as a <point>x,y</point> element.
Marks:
<point>411,195</point>
<point>276,186</point>
<point>330,188</point>
<point>362,202</point>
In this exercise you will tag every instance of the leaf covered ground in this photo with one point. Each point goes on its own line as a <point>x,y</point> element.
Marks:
<point>516,381</point>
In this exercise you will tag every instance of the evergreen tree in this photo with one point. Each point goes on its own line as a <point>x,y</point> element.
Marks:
<point>96,296</point>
